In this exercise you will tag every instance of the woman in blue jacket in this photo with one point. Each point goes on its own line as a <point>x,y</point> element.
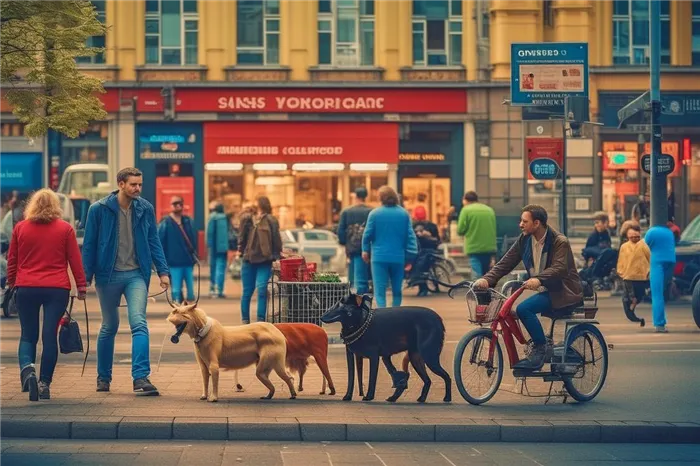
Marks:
<point>391,244</point>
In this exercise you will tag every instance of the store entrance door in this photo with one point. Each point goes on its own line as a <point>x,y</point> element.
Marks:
<point>432,193</point>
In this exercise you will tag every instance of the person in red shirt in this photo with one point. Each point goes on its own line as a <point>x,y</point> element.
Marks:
<point>41,248</point>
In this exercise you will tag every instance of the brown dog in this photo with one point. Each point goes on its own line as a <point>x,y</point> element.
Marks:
<point>218,347</point>
<point>304,341</point>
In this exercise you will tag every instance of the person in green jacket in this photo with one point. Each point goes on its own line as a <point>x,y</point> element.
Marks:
<point>477,223</point>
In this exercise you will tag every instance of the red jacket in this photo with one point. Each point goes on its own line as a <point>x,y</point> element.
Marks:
<point>40,253</point>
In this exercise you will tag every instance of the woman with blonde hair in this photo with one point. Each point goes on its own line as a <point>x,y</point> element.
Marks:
<point>390,245</point>
<point>42,247</point>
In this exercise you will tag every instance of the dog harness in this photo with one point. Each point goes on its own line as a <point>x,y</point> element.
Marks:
<point>204,330</point>
<point>356,335</point>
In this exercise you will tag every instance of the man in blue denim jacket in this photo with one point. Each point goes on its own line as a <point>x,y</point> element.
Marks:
<point>121,245</point>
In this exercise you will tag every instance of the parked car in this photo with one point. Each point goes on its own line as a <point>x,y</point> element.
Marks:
<point>314,244</point>
<point>687,272</point>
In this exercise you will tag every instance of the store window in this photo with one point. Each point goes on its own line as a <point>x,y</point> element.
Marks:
<point>258,32</point>
<point>696,32</point>
<point>89,147</point>
<point>346,32</point>
<point>631,32</point>
<point>437,32</point>
<point>370,181</point>
<point>171,32</point>
<point>226,187</point>
<point>96,41</point>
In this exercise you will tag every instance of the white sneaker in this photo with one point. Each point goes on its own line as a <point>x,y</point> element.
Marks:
<point>660,329</point>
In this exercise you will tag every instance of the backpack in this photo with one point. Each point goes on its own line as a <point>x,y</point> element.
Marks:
<point>259,247</point>
<point>353,235</point>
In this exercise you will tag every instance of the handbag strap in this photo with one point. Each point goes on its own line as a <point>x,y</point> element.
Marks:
<point>69,311</point>
<point>185,237</point>
<point>87,329</point>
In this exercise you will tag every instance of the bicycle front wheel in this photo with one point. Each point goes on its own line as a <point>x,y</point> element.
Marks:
<point>477,377</point>
<point>438,272</point>
<point>587,358</point>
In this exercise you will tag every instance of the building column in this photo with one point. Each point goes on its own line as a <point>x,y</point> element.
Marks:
<point>602,34</point>
<point>299,37</point>
<point>391,36</point>
<point>217,34</point>
<point>121,144</point>
<point>469,157</point>
<point>470,40</point>
<point>681,33</point>
<point>129,37</point>
<point>511,21</point>
<point>572,19</point>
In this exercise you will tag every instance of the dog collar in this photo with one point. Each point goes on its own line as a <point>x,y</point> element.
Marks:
<point>204,330</point>
<point>356,335</point>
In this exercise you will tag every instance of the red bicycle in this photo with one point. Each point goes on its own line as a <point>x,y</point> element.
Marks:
<point>580,361</point>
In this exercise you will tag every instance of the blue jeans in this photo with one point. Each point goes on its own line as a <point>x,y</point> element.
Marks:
<point>254,276</point>
<point>29,301</point>
<point>527,313</point>
<point>660,275</point>
<point>133,287</point>
<point>217,270</point>
<point>358,274</point>
<point>480,263</point>
<point>382,273</point>
<point>178,275</point>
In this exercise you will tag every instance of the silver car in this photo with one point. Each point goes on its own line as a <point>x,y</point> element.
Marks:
<point>316,245</point>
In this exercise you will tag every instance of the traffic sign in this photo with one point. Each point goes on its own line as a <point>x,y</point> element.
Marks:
<point>544,169</point>
<point>665,166</point>
<point>543,74</point>
<point>633,112</point>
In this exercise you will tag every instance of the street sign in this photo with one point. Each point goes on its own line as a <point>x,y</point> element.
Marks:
<point>635,109</point>
<point>544,169</point>
<point>639,128</point>
<point>542,74</point>
<point>665,166</point>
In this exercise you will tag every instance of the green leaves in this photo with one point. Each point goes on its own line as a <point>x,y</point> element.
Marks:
<point>39,41</point>
<point>326,277</point>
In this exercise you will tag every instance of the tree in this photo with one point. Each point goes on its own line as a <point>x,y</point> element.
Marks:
<point>39,41</point>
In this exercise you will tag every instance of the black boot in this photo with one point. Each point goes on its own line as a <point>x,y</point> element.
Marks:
<point>535,359</point>
<point>29,382</point>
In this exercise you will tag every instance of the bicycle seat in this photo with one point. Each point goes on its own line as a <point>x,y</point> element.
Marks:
<point>564,312</point>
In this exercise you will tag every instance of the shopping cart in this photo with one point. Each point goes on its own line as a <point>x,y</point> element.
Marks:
<point>293,301</point>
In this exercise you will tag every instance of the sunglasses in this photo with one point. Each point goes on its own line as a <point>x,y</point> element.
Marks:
<point>176,203</point>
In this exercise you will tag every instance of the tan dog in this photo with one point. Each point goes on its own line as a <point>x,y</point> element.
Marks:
<point>218,347</point>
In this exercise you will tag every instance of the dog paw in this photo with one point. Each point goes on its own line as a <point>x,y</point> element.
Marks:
<point>300,389</point>
<point>212,400</point>
<point>367,398</point>
<point>293,397</point>
<point>268,397</point>
<point>239,388</point>
<point>447,399</point>
<point>347,398</point>
<point>421,399</point>
<point>391,399</point>
<point>203,397</point>
<point>332,392</point>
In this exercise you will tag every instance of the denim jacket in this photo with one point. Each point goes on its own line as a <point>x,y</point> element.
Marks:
<point>100,243</point>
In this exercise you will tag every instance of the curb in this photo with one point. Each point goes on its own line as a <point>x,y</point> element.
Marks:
<point>320,429</point>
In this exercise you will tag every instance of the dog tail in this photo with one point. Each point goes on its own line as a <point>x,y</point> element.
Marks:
<point>439,337</point>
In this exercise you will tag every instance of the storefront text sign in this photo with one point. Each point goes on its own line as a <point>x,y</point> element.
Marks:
<point>421,157</point>
<point>166,147</point>
<point>299,142</point>
<point>545,157</point>
<point>543,74</point>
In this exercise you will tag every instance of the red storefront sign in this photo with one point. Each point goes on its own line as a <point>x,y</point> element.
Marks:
<point>146,100</point>
<point>321,100</point>
<point>544,148</point>
<point>167,187</point>
<point>299,142</point>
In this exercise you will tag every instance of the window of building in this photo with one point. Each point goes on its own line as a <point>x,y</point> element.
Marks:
<point>346,32</point>
<point>171,32</point>
<point>12,130</point>
<point>437,32</point>
<point>258,31</point>
<point>96,41</point>
<point>631,32</point>
<point>548,13</point>
<point>696,32</point>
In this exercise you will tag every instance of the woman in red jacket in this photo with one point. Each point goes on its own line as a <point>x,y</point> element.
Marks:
<point>41,248</point>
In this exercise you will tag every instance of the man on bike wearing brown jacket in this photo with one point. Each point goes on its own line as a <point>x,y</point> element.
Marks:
<point>549,261</point>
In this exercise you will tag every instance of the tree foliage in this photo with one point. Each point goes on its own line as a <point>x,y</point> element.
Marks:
<point>39,41</point>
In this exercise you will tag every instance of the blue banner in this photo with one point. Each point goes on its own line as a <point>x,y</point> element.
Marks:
<point>21,171</point>
<point>679,108</point>
<point>543,74</point>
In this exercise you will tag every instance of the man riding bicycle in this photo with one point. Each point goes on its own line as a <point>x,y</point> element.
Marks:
<point>549,261</point>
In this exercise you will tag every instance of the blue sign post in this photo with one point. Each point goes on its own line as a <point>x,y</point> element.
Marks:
<point>543,74</point>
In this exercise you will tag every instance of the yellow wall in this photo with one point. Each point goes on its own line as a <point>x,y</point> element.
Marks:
<point>511,21</point>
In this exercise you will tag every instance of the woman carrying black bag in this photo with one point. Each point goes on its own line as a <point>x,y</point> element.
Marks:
<point>41,248</point>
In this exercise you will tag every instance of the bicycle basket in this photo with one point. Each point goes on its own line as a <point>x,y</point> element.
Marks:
<point>483,306</point>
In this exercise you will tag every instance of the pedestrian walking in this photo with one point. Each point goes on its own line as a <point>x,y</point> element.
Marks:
<point>351,227</point>
<point>179,240</point>
<point>633,265</point>
<point>260,244</point>
<point>42,247</point>
<point>121,245</point>
<point>662,245</point>
<point>477,223</point>
<point>390,245</point>
<point>218,244</point>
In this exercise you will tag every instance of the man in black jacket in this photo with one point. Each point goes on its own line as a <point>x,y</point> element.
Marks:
<point>350,229</point>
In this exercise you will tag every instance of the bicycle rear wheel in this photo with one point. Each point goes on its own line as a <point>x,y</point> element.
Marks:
<point>438,272</point>
<point>476,377</point>
<point>587,356</point>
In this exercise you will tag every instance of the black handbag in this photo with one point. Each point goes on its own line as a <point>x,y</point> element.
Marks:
<point>9,302</point>
<point>69,339</point>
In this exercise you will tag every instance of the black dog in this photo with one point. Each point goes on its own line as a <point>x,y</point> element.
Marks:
<point>384,332</point>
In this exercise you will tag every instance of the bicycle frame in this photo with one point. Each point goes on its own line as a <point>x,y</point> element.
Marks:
<point>509,328</point>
